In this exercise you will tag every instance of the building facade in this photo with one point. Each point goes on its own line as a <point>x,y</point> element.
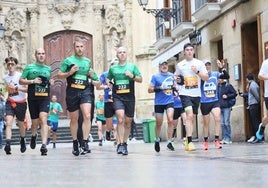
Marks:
<point>234,31</point>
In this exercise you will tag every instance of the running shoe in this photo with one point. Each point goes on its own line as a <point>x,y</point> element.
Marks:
<point>33,142</point>
<point>251,139</point>
<point>54,145</point>
<point>120,148</point>
<point>259,135</point>
<point>7,149</point>
<point>170,146</point>
<point>189,146</point>
<point>124,151</point>
<point>85,148</point>
<point>75,148</point>
<point>217,144</point>
<point>43,149</point>
<point>205,145</point>
<point>100,143</point>
<point>22,145</point>
<point>157,146</point>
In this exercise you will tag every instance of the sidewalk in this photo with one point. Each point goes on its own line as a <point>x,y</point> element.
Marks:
<point>236,165</point>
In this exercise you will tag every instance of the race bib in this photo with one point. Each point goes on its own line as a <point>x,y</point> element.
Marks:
<point>41,91</point>
<point>191,82</point>
<point>210,89</point>
<point>122,86</point>
<point>79,81</point>
<point>78,84</point>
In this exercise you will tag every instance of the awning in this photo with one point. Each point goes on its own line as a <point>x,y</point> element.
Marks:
<point>170,51</point>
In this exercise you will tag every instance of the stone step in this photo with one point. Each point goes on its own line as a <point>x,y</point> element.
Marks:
<point>64,135</point>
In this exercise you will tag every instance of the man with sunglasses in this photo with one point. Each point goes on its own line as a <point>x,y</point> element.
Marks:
<point>16,104</point>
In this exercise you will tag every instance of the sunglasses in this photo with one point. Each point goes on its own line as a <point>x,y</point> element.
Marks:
<point>11,64</point>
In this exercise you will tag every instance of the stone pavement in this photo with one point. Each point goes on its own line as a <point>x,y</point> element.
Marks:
<point>236,165</point>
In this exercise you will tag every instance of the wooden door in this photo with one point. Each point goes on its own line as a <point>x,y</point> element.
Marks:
<point>58,46</point>
<point>250,62</point>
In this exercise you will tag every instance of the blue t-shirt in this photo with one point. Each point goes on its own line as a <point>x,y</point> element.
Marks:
<point>209,89</point>
<point>177,102</point>
<point>107,92</point>
<point>166,82</point>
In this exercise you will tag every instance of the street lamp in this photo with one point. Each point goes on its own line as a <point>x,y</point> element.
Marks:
<point>2,30</point>
<point>165,13</point>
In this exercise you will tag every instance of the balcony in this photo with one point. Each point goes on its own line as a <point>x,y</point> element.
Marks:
<point>162,35</point>
<point>163,42</point>
<point>181,29</point>
<point>206,9</point>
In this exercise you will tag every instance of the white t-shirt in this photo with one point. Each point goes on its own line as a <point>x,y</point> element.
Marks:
<point>192,81</point>
<point>264,71</point>
<point>15,80</point>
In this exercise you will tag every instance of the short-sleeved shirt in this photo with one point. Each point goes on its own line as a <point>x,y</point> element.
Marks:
<point>78,80</point>
<point>37,91</point>
<point>52,116</point>
<point>100,110</point>
<point>177,102</point>
<point>209,88</point>
<point>264,72</point>
<point>108,91</point>
<point>192,81</point>
<point>18,95</point>
<point>166,82</point>
<point>123,88</point>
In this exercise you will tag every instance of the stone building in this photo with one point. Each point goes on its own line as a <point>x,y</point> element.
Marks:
<point>235,31</point>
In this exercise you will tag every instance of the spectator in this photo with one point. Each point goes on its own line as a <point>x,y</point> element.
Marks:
<point>55,109</point>
<point>226,93</point>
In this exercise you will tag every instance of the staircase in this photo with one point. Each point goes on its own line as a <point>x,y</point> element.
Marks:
<point>64,135</point>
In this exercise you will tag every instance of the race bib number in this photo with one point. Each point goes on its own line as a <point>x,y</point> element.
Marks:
<point>78,84</point>
<point>122,87</point>
<point>191,82</point>
<point>41,91</point>
<point>79,81</point>
<point>210,89</point>
<point>210,94</point>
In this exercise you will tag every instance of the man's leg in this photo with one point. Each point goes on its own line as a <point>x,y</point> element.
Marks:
<point>170,113</point>
<point>216,112</point>
<point>9,121</point>
<point>44,131</point>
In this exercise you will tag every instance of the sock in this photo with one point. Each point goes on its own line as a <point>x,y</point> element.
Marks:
<point>205,139</point>
<point>174,132</point>
<point>8,141</point>
<point>184,131</point>
<point>189,138</point>
<point>217,137</point>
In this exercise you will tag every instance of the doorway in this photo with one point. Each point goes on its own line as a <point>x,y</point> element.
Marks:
<point>250,61</point>
<point>58,46</point>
